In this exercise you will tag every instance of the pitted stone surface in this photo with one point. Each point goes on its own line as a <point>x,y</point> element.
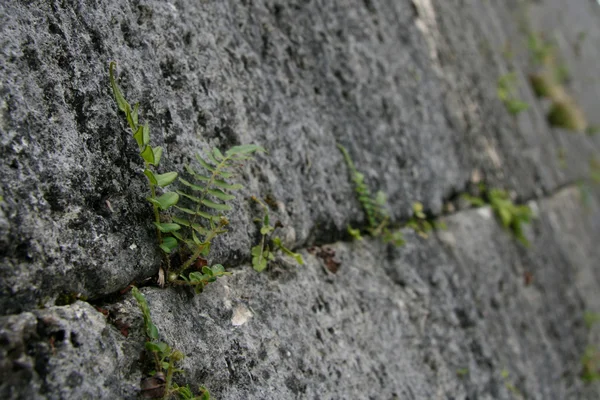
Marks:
<point>409,87</point>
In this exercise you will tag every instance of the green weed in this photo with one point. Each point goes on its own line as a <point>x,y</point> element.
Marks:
<point>421,224</point>
<point>565,114</point>
<point>262,253</point>
<point>506,91</point>
<point>590,319</point>
<point>510,215</point>
<point>160,384</point>
<point>187,229</point>
<point>591,365</point>
<point>373,206</point>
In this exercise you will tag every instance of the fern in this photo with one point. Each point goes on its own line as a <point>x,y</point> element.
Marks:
<point>193,228</point>
<point>208,194</point>
<point>373,206</point>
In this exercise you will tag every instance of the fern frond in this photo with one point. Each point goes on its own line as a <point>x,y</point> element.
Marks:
<point>374,207</point>
<point>210,197</point>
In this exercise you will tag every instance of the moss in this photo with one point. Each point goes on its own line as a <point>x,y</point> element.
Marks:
<point>542,85</point>
<point>565,114</point>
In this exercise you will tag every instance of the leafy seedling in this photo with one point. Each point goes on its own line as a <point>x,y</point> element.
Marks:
<point>507,94</point>
<point>263,252</point>
<point>159,385</point>
<point>510,215</point>
<point>374,207</point>
<point>421,224</point>
<point>151,157</point>
<point>590,319</point>
<point>591,365</point>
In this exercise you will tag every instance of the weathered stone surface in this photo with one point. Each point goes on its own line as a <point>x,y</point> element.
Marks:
<point>409,87</point>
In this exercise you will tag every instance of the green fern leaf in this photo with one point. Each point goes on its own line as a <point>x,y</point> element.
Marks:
<point>204,163</point>
<point>219,194</point>
<point>197,175</point>
<point>167,227</point>
<point>224,185</point>
<point>245,149</point>
<point>192,186</point>
<point>216,206</point>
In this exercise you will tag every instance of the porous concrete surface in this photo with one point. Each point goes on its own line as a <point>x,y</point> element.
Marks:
<point>409,87</point>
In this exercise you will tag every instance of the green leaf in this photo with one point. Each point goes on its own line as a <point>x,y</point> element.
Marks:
<point>219,194</point>
<point>204,164</point>
<point>298,257</point>
<point>138,136</point>
<point>158,347</point>
<point>244,149</point>
<point>266,229</point>
<point>121,102</point>
<point>165,179</point>
<point>216,206</point>
<point>207,271</point>
<point>197,175</point>
<point>505,216</point>
<point>148,155</point>
<point>217,154</point>
<point>218,269</point>
<point>167,227</point>
<point>224,174</point>
<point>169,244</point>
<point>150,176</point>
<point>134,114</point>
<point>198,213</point>
<point>152,331</point>
<point>212,158</point>
<point>191,185</point>
<point>195,238</point>
<point>146,134</point>
<point>224,185</point>
<point>189,196</point>
<point>157,155</point>
<point>165,201</point>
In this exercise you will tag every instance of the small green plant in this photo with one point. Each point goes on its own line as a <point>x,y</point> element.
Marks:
<point>510,215</point>
<point>507,94</point>
<point>590,319</point>
<point>509,385</point>
<point>566,114</point>
<point>544,85</point>
<point>374,207</point>
<point>462,372</point>
<point>202,220</point>
<point>187,230</point>
<point>262,253</point>
<point>541,52</point>
<point>421,224</point>
<point>160,384</point>
<point>151,156</point>
<point>591,365</point>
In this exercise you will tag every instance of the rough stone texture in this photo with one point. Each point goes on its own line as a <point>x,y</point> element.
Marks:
<point>409,87</point>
